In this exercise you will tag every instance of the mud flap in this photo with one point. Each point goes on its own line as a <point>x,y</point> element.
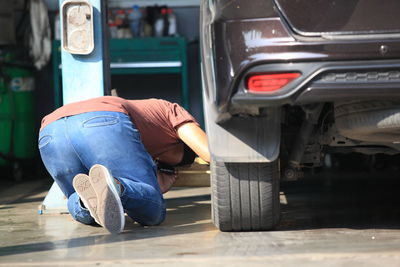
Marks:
<point>244,139</point>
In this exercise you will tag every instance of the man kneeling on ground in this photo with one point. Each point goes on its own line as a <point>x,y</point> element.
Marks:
<point>102,153</point>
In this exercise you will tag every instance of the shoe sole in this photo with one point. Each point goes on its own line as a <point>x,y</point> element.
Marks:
<point>86,193</point>
<point>109,209</point>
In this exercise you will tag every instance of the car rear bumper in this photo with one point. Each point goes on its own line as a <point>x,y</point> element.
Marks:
<point>325,82</point>
<point>241,46</point>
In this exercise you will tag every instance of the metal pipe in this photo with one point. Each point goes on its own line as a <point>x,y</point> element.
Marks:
<point>292,172</point>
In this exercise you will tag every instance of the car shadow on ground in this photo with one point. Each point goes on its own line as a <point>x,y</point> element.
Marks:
<point>361,200</point>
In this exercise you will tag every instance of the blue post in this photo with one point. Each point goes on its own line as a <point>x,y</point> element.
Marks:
<point>87,76</point>
<point>83,77</point>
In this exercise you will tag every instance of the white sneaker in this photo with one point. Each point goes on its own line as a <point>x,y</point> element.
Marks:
<point>86,193</point>
<point>109,210</point>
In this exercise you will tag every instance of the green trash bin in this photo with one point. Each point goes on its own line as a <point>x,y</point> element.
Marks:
<point>18,137</point>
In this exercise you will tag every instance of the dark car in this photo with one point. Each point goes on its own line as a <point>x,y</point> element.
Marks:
<point>286,84</point>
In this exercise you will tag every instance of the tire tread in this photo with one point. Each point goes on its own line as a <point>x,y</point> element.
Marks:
<point>245,196</point>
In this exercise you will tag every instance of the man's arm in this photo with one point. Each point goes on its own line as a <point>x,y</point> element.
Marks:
<point>193,136</point>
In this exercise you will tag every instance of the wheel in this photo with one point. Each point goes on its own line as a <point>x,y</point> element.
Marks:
<point>373,121</point>
<point>245,196</point>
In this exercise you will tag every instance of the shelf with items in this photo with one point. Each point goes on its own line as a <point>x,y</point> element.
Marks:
<point>172,3</point>
<point>142,21</point>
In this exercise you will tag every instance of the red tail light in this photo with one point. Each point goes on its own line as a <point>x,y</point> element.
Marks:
<point>268,83</point>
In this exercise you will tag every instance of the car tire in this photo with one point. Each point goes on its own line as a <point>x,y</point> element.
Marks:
<point>371,121</point>
<point>245,196</point>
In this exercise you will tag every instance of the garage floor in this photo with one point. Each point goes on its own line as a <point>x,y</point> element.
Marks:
<point>341,221</point>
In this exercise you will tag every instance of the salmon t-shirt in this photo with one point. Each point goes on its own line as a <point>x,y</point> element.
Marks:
<point>157,120</point>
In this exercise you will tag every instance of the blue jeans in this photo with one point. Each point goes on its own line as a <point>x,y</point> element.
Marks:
<point>73,144</point>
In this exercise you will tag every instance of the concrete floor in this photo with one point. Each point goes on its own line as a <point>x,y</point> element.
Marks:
<point>341,221</point>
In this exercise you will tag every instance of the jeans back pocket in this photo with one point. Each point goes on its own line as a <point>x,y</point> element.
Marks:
<point>44,140</point>
<point>99,121</point>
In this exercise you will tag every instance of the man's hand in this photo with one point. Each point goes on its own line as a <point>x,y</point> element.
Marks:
<point>166,181</point>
